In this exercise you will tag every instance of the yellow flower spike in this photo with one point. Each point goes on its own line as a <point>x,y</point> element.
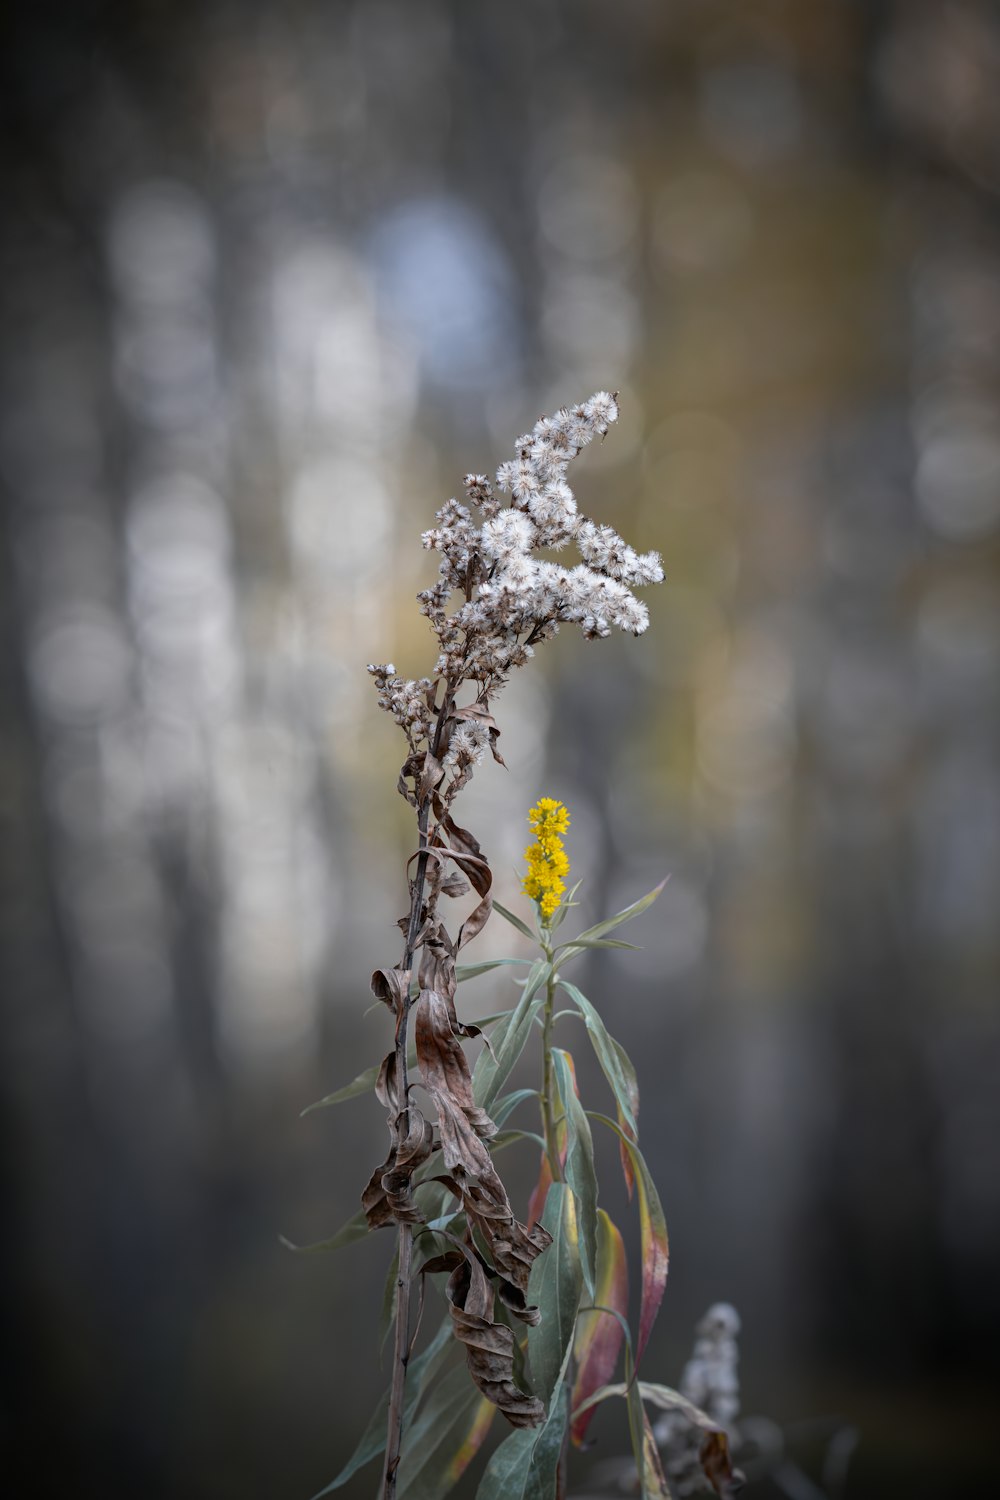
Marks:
<point>547,859</point>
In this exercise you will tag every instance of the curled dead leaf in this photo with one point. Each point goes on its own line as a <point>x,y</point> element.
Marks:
<point>444,1069</point>
<point>489,1346</point>
<point>391,986</point>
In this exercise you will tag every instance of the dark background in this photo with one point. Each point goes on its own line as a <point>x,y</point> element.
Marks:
<point>272,278</point>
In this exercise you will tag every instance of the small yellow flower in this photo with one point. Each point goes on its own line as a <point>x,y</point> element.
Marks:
<point>547,859</point>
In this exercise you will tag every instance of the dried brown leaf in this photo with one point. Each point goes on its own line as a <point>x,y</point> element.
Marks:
<point>465,850</point>
<point>718,1465</point>
<point>391,986</point>
<point>431,775</point>
<point>445,1072</point>
<point>410,770</point>
<point>464,1126</point>
<point>386,1089</point>
<point>489,1346</point>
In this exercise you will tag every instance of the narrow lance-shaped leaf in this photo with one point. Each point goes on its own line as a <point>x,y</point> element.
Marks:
<point>608,1054</point>
<point>554,1285</point>
<point>525,1466</point>
<point>363,1084</point>
<point>599,1335</point>
<point>356,1228</point>
<point>472,971</point>
<point>421,1374</point>
<point>506,1105</point>
<point>632,1086</point>
<point>509,1137</point>
<point>580,1173</point>
<point>536,1204</point>
<point>714,1453</point>
<point>493,1068</point>
<point>565,906</point>
<point>652,1480</point>
<point>576,946</point>
<point>514,921</point>
<point>627,914</point>
<point>655,1246</point>
<point>444,1439</point>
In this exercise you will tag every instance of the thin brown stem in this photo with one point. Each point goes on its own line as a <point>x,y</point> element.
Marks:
<point>404,1282</point>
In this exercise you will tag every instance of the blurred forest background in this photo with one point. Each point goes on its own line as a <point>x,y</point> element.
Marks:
<point>272,278</point>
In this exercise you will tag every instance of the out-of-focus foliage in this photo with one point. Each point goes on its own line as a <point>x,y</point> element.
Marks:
<point>272,279</point>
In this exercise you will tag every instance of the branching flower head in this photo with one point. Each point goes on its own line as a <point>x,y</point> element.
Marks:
<point>547,859</point>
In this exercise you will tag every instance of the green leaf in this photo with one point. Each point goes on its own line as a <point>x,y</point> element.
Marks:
<point>508,1137</point>
<point>580,1173</point>
<point>599,1333</point>
<point>714,1455</point>
<point>509,916</point>
<point>444,1439</point>
<point>655,1247</point>
<point>363,1084</point>
<point>649,1467</point>
<point>470,971</point>
<point>505,1106</point>
<point>356,1228</point>
<point>525,1465</point>
<point>423,1369</point>
<point>435,1200</point>
<point>626,915</point>
<point>554,1285</point>
<point>493,1067</point>
<point>495,1016</point>
<point>609,1054</point>
<point>578,945</point>
<point>564,907</point>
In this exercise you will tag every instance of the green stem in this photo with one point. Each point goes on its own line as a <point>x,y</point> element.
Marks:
<point>548,1111</point>
<point>552,1152</point>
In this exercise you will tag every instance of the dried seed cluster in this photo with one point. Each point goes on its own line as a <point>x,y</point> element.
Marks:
<point>510,598</point>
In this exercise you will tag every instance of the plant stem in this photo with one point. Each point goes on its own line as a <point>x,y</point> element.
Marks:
<point>401,1342</point>
<point>555,1165</point>
<point>548,1114</point>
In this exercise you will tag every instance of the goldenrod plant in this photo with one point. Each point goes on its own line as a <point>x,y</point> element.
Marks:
<point>537,1307</point>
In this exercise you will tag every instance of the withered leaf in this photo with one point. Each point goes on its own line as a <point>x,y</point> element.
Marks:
<point>382,1206</point>
<point>391,986</point>
<point>718,1466</point>
<point>410,770</point>
<point>515,1248</point>
<point>386,1090</point>
<point>431,774</point>
<point>465,850</point>
<point>489,1346</point>
<point>438,973</point>
<point>455,885</point>
<point>714,1451</point>
<point>464,1126</point>
<point>388,1196</point>
<point>445,1072</point>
